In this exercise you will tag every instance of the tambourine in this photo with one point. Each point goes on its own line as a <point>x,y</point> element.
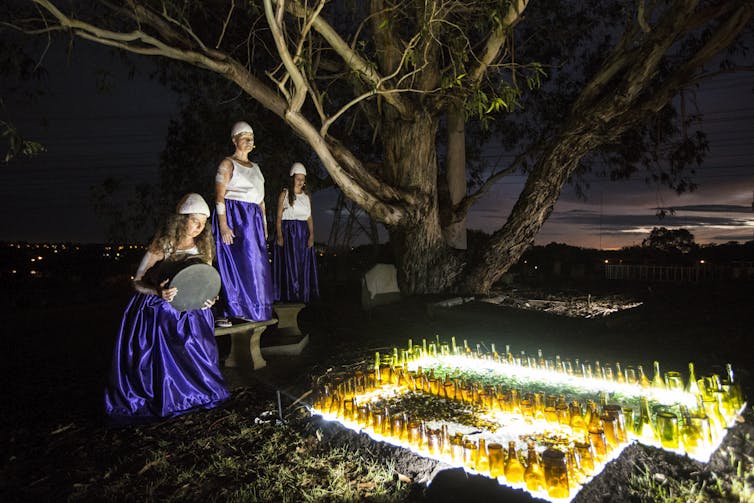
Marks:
<point>195,280</point>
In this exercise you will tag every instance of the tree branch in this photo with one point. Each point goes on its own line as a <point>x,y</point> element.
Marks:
<point>275,21</point>
<point>496,40</point>
<point>461,209</point>
<point>351,58</point>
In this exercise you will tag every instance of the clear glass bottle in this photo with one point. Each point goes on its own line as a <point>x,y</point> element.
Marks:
<point>657,380</point>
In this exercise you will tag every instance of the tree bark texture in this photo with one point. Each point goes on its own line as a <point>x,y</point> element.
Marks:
<point>424,262</point>
<point>455,231</point>
<point>533,207</point>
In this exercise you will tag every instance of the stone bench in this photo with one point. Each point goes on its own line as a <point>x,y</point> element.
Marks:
<point>288,318</point>
<point>287,340</point>
<point>244,342</point>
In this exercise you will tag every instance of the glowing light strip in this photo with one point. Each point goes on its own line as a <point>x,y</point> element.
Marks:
<point>514,426</point>
<point>551,377</point>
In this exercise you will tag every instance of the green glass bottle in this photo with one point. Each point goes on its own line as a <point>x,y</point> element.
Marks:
<point>692,386</point>
<point>644,428</point>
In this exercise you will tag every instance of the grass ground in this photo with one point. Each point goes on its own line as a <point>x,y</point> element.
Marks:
<point>56,446</point>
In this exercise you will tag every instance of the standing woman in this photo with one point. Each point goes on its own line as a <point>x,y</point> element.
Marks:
<point>240,228</point>
<point>294,258</point>
<point>165,361</point>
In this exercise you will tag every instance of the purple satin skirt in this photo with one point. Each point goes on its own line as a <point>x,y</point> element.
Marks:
<point>245,265</point>
<point>165,363</point>
<point>295,265</point>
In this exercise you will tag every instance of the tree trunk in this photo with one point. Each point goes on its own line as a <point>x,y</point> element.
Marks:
<point>424,262</point>
<point>455,231</point>
<point>533,207</point>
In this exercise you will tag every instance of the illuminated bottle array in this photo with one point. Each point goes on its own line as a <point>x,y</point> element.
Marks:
<point>590,431</point>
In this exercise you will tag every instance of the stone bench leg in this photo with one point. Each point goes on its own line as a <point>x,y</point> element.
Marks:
<point>287,315</point>
<point>244,343</point>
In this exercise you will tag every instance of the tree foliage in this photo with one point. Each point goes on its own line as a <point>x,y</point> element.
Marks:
<point>561,87</point>
<point>670,240</point>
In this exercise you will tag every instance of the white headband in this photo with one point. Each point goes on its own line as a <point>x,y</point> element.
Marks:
<point>192,203</point>
<point>298,169</point>
<point>241,127</point>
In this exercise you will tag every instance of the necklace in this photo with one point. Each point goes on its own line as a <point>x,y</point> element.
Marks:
<point>242,161</point>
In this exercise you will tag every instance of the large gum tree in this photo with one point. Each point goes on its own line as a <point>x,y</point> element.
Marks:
<point>383,91</point>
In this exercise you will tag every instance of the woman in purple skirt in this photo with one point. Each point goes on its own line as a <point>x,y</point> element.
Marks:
<point>240,228</point>
<point>165,361</point>
<point>294,258</point>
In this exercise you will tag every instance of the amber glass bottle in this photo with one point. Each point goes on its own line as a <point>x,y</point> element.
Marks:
<point>534,474</point>
<point>643,379</point>
<point>514,470</point>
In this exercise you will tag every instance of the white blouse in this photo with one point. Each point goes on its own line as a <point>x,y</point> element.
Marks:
<point>301,209</point>
<point>246,184</point>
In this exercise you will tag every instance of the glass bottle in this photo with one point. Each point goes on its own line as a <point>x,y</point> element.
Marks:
<point>556,473</point>
<point>495,454</point>
<point>551,415</point>
<point>577,420</point>
<point>644,427</point>
<point>692,386</point>
<point>657,380</point>
<point>619,377</point>
<point>534,476</point>
<point>598,372</point>
<point>469,453</point>
<point>585,453</point>
<point>514,470</point>
<point>690,437</point>
<point>561,409</point>
<point>643,379</point>
<point>482,458</point>
<point>597,433</point>
<point>539,409</point>
<point>732,388</point>
<point>590,407</point>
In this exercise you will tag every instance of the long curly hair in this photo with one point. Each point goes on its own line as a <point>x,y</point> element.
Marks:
<point>173,230</point>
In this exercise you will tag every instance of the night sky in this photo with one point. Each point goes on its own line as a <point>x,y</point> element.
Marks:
<point>90,134</point>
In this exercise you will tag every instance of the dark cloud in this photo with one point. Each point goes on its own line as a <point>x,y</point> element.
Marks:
<point>712,208</point>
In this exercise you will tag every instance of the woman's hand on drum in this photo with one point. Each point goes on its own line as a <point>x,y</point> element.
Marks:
<point>210,302</point>
<point>167,294</point>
